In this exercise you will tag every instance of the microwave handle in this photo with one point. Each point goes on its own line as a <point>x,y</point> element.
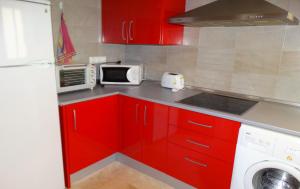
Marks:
<point>142,71</point>
<point>132,74</point>
<point>129,75</point>
<point>101,74</point>
<point>70,67</point>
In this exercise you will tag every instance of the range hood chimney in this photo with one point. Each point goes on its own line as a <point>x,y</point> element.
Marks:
<point>236,13</point>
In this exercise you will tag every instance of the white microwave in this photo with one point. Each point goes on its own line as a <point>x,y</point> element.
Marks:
<point>121,74</point>
<point>75,77</point>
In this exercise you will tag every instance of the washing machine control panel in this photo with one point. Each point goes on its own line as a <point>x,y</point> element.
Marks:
<point>257,142</point>
<point>282,146</point>
<point>288,149</point>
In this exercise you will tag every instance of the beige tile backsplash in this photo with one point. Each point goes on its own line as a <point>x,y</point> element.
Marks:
<point>262,61</point>
<point>83,19</point>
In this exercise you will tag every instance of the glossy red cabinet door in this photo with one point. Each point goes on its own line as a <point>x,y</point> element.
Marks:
<point>172,34</point>
<point>197,169</point>
<point>90,132</point>
<point>144,22</point>
<point>193,147</point>
<point>131,116</point>
<point>205,125</point>
<point>141,22</point>
<point>217,148</point>
<point>201,148</point>
<point>155,130</point>
<point>115,21</point>
<point>144,131</point>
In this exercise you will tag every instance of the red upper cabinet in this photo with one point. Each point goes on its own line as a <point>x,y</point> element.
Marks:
<point>114,21</point>
<point>172,34</point>
<point>141,22</point>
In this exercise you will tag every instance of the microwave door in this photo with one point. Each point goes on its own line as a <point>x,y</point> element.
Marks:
<point>115,74</point>
<point>69,79</point>
<point>72,77</point>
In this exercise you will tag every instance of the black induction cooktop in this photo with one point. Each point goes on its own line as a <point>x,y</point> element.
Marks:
<point>221,103</point>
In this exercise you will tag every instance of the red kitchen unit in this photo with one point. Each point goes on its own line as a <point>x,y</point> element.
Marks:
<point>212,146</point>
<point>198,169</point>
<point>141,22</point>
<point>192,147</point>
<point>131,128</point>
<point>144,131</point>
<point>201,148</point>
<point>90,132</point>
<point>205,125</point>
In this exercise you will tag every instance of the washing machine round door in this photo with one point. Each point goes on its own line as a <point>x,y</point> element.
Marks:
<point>272,175</point>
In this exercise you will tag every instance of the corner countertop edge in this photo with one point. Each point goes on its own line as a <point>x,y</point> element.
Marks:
<point>266,115</point>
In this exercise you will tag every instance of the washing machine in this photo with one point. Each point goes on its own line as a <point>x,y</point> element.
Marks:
<point>266,160</point>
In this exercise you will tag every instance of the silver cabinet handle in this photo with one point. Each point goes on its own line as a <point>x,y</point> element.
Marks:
<point>197,143</point>
<point>201,125</point>
<point>123,33</point>
<point>195,162</point>
<point>136,112</point>
<point>145,115</point>
<point>130,30</point>
<point>74,120</point>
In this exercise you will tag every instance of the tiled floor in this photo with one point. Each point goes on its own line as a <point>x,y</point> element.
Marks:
<point>120,176</point>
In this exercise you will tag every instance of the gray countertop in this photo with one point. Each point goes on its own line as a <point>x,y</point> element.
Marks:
<point>269,115</point>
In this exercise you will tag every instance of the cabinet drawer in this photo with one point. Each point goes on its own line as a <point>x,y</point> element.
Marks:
<point>204,124</point>
<point>198,170</point>
<point>217,148</point>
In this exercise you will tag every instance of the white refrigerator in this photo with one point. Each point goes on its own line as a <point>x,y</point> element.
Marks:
<point>30,140</point>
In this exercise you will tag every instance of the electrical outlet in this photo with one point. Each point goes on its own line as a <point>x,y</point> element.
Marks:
<point>97,59</point>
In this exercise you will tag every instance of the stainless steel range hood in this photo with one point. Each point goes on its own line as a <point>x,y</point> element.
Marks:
<point>236,13</point>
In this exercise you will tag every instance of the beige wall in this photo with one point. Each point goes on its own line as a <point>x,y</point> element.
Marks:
<point>262,61</point>
<point>84,23</point>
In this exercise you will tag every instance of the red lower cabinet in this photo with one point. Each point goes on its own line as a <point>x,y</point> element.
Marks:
<point>205,125</point>
<point>198,170</point>
<point>131,128</point>
<point>195,148</point>
<point>215,147</point>
<point>201,148</point>
<point>90,132</point>
<point>155,133</point>
<point>144,131</point>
